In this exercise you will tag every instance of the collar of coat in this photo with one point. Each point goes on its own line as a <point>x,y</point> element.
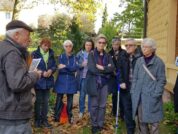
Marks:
<point>51,52</point>
<point>23,51</point>
<point>151,62</point>
<point>105,57</point>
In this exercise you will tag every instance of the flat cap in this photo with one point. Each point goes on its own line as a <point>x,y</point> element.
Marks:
<point>18,24</point>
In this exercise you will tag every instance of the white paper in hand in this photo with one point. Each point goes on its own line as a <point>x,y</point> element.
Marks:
<point>34,64</point>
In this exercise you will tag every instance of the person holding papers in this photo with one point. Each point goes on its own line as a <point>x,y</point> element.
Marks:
<point>15,80</point>
<point>48,66</point>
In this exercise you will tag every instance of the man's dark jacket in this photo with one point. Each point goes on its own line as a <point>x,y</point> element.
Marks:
<point>15,82</point>
<point>124,68</point>
<point>116,58</point>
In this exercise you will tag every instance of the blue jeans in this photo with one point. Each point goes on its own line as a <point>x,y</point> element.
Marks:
<point>82,97</point>
<point>41,104</point>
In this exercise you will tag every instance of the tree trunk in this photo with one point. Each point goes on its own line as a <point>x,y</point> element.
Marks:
<point>15,10</point>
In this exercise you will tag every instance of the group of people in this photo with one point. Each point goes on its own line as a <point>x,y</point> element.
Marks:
<point>140,76</point>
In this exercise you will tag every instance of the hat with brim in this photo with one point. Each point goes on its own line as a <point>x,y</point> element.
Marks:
<point>18,24</point>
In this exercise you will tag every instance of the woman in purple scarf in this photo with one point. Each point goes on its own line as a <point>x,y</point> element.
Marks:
<point>100,68</point>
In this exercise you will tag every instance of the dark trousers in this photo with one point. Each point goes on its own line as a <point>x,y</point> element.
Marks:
<point>125,99</point>
<point>59,106</point>
<point>98,107</point>
<point>114,105</point>
<point>41,104</point>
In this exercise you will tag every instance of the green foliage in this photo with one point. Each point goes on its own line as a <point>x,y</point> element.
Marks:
<point>76,8</point>
<point>58,31</point>
<point>105,16</point>
<point>52,100</point>
<point>62,28</point>
<point>131,20</point>
<point>170,117</point>
<point>110,31</point>
<point>87,25</point>
<point>81,6</point>
<point>76,36</point>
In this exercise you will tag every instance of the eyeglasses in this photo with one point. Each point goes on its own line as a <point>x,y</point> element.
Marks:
<point>146,47</point>
<point>68,46</point>
<point>101,42</point>
<point>129,45</point>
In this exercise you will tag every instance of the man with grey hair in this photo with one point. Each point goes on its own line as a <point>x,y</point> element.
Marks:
<point>126,66</point>
<point>147,88</point>
<point>15,80</point>
<point>116,52</point>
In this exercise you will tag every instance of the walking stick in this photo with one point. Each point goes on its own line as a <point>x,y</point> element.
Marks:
<point>117,114</point>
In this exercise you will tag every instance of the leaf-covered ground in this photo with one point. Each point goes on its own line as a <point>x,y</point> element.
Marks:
<point>83,126</point>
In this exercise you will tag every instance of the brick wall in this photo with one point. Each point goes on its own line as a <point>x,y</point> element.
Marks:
<point>176,49</point>
<point>163,27</point>
<point>158,25</point>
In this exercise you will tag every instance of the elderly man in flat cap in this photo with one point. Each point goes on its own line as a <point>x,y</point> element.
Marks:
<point>15,80</point>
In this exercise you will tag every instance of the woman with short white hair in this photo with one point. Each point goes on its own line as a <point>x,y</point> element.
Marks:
<point>66,43</point>
<point>147,88</point>
<point>148,42</point>
<point>66,81</point>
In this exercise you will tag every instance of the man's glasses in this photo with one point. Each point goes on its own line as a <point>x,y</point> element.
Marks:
<point>146,47</point>
<point>129,45</point>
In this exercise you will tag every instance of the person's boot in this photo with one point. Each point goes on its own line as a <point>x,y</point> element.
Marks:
<point>71,120</point>
<point>80,115</point>
<point>45,124</point>
<point>94,130</point>
<point>131,131</point>
<point>38,124</point>
<point>100,129</point>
